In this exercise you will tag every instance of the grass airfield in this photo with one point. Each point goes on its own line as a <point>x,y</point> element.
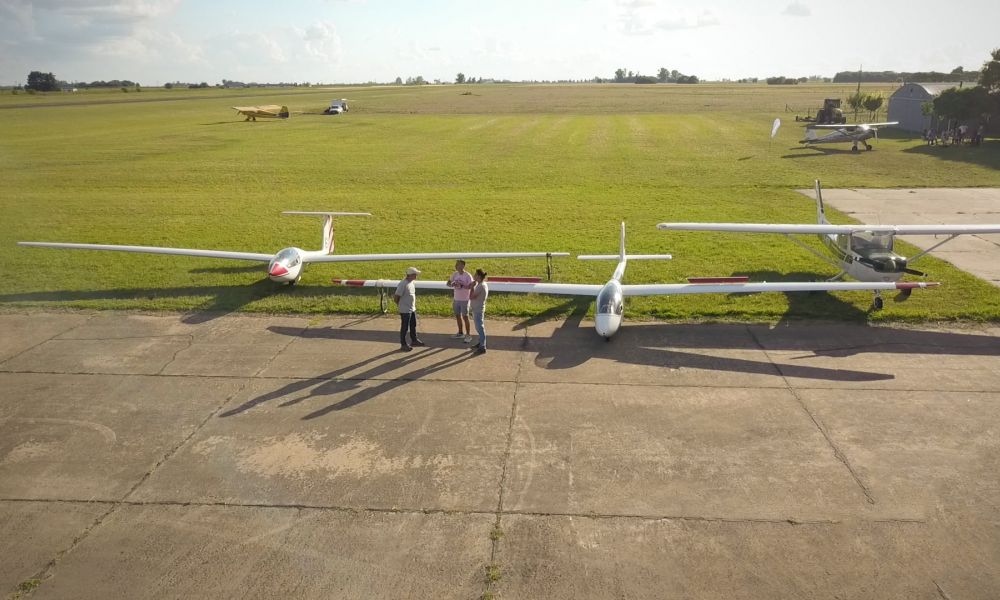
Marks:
<point>444,168</point>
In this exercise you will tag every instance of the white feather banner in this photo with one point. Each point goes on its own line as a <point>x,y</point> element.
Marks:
<point>774,128</point>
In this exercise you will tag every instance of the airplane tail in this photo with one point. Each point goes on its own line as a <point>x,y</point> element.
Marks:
<point>820,212</point>
<point>622,257</point>
<point>328,240</point>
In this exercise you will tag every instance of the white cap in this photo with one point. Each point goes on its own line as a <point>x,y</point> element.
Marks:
<point>412,271</point>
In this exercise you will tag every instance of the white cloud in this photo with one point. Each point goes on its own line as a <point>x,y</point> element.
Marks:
<point>645,17</point>
<point>797,9</point>
<point>322,42</point>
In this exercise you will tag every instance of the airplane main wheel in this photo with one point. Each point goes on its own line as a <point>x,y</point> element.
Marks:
<point>877,304</point>
<point>854,149</point>
<point>868,147</point>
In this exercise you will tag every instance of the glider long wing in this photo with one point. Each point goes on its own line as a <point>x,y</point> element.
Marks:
<point>664,289</point>
<point>426,256</point>
<point>156,250</point>
<point>832,229</point>
<point>557,289</point>
<point>671,289</point>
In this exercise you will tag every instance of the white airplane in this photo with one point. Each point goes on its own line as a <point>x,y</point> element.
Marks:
<point>863,252</point>
<point>610,297</point>
<point>857,134</point>
<point>286,265</point>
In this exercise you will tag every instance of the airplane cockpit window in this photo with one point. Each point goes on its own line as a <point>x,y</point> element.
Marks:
<point>866,242</point>
<point>289,257</point>
<point>609,302</point>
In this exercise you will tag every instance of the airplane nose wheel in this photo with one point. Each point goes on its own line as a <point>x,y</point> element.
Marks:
<point>877,302</point>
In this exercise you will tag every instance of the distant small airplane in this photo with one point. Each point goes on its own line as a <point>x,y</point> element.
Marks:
<point>856,134</point>
<point>286,265</point>
<point>863,252</point>
<point>610,297</point>
<point>271,111</point>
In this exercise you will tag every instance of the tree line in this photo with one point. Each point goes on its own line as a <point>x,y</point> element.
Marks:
<point>47,82</point>
<point>957,74</point>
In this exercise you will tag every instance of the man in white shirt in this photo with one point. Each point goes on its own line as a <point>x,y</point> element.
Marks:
<point>461,282</point>
<point>406,299</point>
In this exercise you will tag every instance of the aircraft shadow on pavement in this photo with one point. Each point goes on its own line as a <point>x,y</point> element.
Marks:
<point>573,343</point>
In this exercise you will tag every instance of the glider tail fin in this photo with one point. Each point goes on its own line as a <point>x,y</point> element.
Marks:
<point>820,212</point>
<point>328,241</point>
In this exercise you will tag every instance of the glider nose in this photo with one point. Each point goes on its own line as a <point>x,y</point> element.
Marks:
<point>606,324</point>
<point>277,270</point>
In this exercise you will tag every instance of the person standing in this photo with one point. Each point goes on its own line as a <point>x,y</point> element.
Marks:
<point>478,295</point>
<point>406,299</point>
<point>461,282</point>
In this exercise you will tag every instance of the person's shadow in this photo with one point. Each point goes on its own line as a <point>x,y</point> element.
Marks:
<point>347,378</point>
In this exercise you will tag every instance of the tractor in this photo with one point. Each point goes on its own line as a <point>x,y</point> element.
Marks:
<point>830,113</point>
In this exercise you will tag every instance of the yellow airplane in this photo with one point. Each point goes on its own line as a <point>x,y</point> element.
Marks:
<point>271,111</point>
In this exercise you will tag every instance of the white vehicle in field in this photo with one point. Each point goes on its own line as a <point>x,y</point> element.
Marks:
<point>336,107</point>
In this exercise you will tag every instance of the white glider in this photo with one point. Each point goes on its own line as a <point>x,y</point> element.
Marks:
<point>610,296</point>
<point>286,265</point>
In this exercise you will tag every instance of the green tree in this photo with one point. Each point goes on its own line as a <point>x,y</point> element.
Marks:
<point>662,75</point>
<point>872,103</point>
<point>856,101</point>
<point>619,75</point>
<point>42,82</point>
<point>460,78</point>
<point>963,104</point>
<point>989,76</point>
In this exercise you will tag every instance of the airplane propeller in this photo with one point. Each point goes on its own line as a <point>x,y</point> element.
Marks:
<point>890,265</point>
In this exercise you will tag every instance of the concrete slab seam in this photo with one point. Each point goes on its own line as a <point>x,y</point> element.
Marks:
<point>47,571</point>
<point>291,339</point>
<point>54,336</point>
<point>813,387</point>
<point>944,595</point>
<point>790,521</point>
<point>493,570</point>
<point>837,452</point>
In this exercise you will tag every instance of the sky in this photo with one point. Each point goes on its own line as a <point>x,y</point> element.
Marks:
<point>355,41</point>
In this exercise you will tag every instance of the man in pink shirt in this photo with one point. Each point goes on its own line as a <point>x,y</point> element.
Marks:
<point>461,282</point>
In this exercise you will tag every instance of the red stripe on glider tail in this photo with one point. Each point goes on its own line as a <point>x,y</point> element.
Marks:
<point>515,279</point>
<point>736,279</point>
<point>909,285</point>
